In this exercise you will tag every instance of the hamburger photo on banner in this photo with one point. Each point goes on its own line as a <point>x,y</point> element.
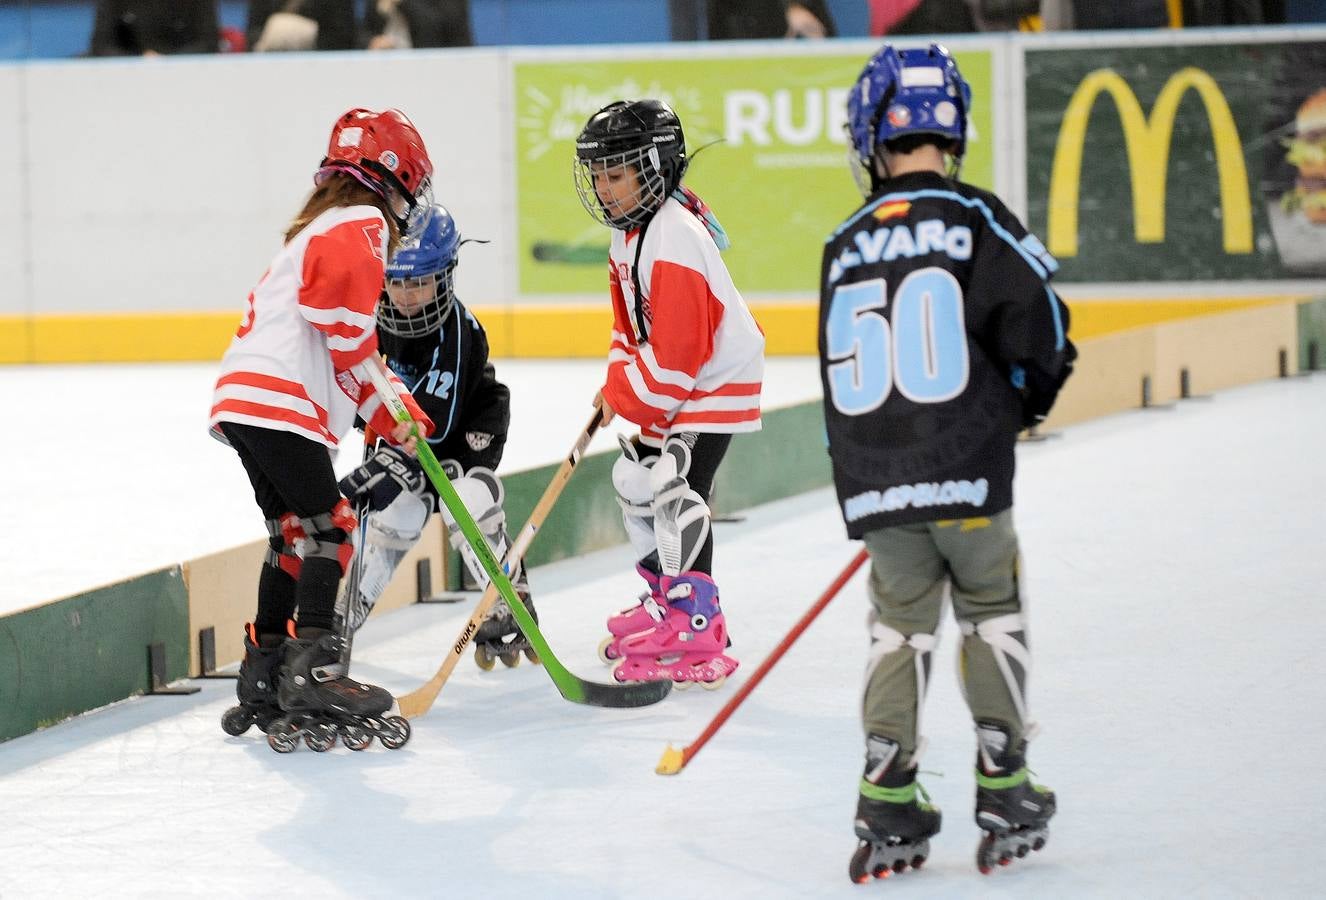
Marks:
<point>1307,153</point>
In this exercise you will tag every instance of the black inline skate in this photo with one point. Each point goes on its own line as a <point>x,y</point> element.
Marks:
<point>256,687</point>
<point>500,637</point>
<point>321,702</point>
<point>894,823</point>
<point>1012,810</point>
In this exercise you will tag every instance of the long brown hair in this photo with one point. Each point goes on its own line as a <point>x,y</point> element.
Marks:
<point>340,189</point>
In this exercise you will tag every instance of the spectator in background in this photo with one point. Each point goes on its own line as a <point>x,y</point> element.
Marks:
<point>731,20</point>
<point>276,25</point>
<point>154,27</point>
<point>895,17</point>
<point>1090,15</point>
<point>1197,13</point>
<point>402,24</point>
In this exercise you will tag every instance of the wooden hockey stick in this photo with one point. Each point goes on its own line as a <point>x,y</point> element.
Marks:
<point>420,700</point>
<point>675,760</point>
<point>571,686</point>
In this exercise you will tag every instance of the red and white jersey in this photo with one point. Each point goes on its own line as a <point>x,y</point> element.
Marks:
<point>308,322</point>
<point>700,364</point>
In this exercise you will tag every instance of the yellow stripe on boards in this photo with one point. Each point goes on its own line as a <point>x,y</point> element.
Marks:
<point>532,331</point>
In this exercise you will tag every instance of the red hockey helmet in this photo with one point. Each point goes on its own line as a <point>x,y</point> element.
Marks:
<point>383,151</point>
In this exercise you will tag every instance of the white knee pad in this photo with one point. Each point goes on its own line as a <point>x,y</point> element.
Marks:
<point>389,534</point>
<point>681,527</point>
<point>482,493</point>
<point>1006,637</point>
<point>884,641</point>
<point>681,515</point>
<point>631,480</point>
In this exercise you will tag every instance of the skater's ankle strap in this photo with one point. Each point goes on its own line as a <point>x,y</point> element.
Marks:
<point>905,794</point>
<point>1002,782</point>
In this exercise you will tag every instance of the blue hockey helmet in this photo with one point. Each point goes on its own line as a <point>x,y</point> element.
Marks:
<point>420,277</point>
<point>905,92</point>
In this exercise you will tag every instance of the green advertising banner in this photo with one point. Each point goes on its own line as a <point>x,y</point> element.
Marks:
<point>1179,163</point>
<point>772,160</point>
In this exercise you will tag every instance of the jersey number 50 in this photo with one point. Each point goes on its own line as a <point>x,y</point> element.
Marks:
<point>922,350</point>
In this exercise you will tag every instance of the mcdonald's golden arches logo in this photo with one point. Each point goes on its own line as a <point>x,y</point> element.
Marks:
<point>1147,141</point>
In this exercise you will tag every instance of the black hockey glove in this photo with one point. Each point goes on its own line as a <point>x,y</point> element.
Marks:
<point>1038,390</point>
<point>381,479</point>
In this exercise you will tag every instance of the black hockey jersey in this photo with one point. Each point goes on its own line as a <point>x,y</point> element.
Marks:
<point>449,374</point>
<point>940,339</point>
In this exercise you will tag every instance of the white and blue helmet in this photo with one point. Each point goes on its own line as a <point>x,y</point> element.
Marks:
<point>905,92</point>
<point>421,277</point>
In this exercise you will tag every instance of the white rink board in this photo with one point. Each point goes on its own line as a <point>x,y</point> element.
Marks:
<point>175,196</point>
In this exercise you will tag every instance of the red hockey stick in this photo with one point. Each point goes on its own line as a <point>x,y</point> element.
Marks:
<point>675,760</point>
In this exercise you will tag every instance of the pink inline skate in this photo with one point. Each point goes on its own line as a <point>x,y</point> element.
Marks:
<point>687,641</point>
<point>636,618</point>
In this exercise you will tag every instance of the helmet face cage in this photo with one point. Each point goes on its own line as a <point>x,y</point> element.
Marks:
<point>627,207</point>
<point>905,92</point>
<point>420,276</point>
<point>418,305</point>
<point>629,157</point>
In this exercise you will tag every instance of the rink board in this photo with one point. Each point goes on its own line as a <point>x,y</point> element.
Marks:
<point>66,657</point>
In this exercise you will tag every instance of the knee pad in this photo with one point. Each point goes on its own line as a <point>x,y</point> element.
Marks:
<point>681,527</point>
<point>285,537</point>
<point>681,515</point>
<point>388,535</point>
<point>328,535</point>
<point>398,526</point>
<point>886,643</point>
<point>635,495</point>
<point>482,493</point>
<point>1002,641</point>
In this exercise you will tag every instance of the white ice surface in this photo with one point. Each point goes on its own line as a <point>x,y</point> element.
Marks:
<point>1175,576</point>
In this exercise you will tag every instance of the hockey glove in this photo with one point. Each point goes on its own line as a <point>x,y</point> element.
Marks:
<point>381,479</point>
<point>1038,389</point>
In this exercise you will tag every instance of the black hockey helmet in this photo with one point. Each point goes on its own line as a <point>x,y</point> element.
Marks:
<point>644,135</point>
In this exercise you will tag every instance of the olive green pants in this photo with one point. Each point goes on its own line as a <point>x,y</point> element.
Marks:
<point>912,565</point>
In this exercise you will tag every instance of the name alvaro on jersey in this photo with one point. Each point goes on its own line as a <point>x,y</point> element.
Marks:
<point>887,243</point>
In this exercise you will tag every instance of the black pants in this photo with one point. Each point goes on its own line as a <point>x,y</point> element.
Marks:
<point>290,473</point>
<point>706,454</point>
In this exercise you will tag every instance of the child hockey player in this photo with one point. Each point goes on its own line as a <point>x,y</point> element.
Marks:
<point>686,365</point>
<point>439,349</point>
<point>291,384</point>
<point>940,339</point>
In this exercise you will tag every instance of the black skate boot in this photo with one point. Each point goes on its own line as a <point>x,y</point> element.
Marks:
<point>1012,810</point>
<point>894,825</point>
<point>500,637</point>
<point>256,687</point>
<point>321,701</point>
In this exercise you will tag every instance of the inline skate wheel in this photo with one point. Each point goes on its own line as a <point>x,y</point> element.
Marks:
<point>356,738</point>
<point>715,684</point>
<point>604,646</point>
<point>483,659</point>
<point>397,733</point>
<point>320,738</point>
<point>283,739</point>
<point>510,659</point>
<point>856,868</point>
<point>532,655</point>
<point>236,720</point>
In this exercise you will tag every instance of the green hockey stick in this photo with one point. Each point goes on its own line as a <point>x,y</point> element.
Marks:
<point>571,686</point>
